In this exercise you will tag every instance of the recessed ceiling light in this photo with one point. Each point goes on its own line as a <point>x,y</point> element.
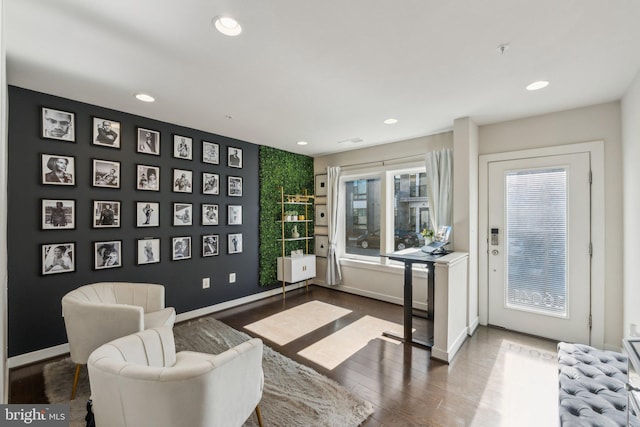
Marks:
<point>538,85</point>
<point>144,97</point>
<point>227,25</point>
<point>391,121</point>
<point>302,143</point>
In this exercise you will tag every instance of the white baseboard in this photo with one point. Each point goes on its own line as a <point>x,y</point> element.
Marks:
<point>447,355</point>
<point>474,325</point>
<point>373,295</point>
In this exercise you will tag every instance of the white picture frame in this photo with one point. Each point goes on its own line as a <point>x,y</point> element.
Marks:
<point>321,218</point>
<point>321,245</point>
<point>321,185</point>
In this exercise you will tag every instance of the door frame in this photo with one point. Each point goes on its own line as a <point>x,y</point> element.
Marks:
<point>596,151</point>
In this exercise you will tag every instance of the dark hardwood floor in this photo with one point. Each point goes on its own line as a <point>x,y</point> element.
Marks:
<point>499,378</point>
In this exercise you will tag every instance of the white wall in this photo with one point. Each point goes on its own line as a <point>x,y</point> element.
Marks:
<point>598,122</point>
<point>631,197</point>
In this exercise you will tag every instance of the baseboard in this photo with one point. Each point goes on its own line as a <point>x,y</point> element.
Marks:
<point>447,355</point>
<point>474,325</point>
<point>373,295</point>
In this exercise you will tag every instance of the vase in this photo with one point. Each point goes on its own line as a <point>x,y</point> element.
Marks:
<point>295,233</point>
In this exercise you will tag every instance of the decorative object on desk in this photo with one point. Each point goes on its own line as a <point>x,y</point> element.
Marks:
<point>321,215</point>
<point>427,233</point>
<point>322,246</point>
<point>294,232</point>
<point>321,184</point>
<point>293,394</point>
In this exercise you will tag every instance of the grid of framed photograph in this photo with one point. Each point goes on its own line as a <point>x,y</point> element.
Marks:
<point>58,258</point>
<point>148,178</point>
<point>234,215</point>
<point>321,245</point>
<point>107,254</point>
<point>234,243</point>
<point>106,214</point>
<point>58,214</point>
<point>182,147</point>
<point>57,124</point>
<point>210,153</point>
<point>182,214</point>
<point>321,184</point>
<point>106,133</point>
<point>57,169</point>
<point>321,215</point>
<point>210,245</point>
<point>148,250</point>
<point>234,157</point>
<point>106,173</point>
<point>234,186</point>
<point>148,141</point>
<point>182,181</point>
<point>147,214</point>
<point>181,248</point>
<point>209,214</point>
<point>210,183</point>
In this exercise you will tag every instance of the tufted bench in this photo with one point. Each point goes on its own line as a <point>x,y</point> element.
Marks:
<point>592,387</point>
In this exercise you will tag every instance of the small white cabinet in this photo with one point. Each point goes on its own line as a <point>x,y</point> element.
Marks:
<point>296,269</point>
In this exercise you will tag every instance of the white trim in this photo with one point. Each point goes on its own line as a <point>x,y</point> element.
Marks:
<point>596,151</point>
<point>4,369</point>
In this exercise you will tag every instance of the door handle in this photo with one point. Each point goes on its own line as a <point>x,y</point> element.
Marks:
<point>495,252</point>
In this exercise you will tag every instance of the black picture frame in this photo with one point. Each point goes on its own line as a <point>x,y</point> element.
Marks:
<point>182,181</point>
<point>106,214</point>
<point>148,251</point>
<point>210,183</point>
<point>210,214</point>
<point>148,141</point>
<point>234,215</point>
<point>182,214</point>
<point>58,258</point>
<point>106,133</point>
<point>234,157</point>
<point>234,186</point>
<point>58,214</point>
<point>210,153</point>
<point>234,243</point>
<point>105,173</point>
<point>182,147</point>
<point>147,214</point>
<point>107,254</point>
<point>57,124</point>
<point>147,178</point>
<point>57,169</point>
<point>210,245</point>
<point>180,248</point>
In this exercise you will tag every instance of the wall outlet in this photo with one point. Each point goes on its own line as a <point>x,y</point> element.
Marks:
<point>232,277</point>
<point>206,283</point>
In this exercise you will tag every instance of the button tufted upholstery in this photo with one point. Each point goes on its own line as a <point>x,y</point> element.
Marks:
<point>592,387</point>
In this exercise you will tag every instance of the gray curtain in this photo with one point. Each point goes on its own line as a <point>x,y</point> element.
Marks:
<point>440,187</point>
<point>335,207</point>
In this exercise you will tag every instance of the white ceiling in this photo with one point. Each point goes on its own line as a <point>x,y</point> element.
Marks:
<point>325,71</point>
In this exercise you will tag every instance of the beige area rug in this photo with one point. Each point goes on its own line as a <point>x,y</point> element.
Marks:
<point>331,351</point>
<point>294,394</point>
<point>291,324</point>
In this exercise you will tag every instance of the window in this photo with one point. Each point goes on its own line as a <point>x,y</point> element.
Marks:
<point>411,209</point>
<point>362,217</point>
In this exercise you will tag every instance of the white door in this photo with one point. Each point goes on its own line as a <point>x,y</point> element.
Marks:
<point>539,246</point>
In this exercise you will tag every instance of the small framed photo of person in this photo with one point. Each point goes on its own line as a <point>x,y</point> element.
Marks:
<point>58,170</point>
<point>58,214</point>
<point>210,183</point>
<point>234,157</point>
<point>182,181</point>
<point>107,254</point>
<point>148,178</point>
<point>148,250</point>
<point>58,258</point>
<point>148,141</point>
<point>181,247</point>
<point>210,245</point>
<point>106,133</point>
<point>210,153</point>
<point>234,244</point>
<point>147,214</point>
<point>234,215</point>
<point>106,173</point>
<point>58,125</point>
<point>182,147</point>
<point>234,186</point>
<point>209,214</point>
<point>106,214</point>
<point>182,214</point>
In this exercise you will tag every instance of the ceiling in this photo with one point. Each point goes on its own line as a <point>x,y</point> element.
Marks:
<point>329,71</point>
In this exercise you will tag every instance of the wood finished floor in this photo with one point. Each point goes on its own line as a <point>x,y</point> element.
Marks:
<point>499,378</point>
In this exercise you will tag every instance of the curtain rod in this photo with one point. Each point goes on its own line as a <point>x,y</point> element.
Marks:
<point>383,162</point>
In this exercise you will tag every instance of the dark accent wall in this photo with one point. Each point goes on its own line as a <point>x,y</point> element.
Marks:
<point>35,320</point>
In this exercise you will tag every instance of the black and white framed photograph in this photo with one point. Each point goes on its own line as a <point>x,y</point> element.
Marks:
<point>58,258</point>
<point>147,214</point>
<point>234,215</point>
<point>210,245</point>
<point>234,186</point>
<point>107,254</point>
<point>209,214</point>
<point>321,185</point>
<point>58,170</point>
<point>210,153</point>
<point>106,214</point>
<point>210,183</point>
<point>182,181</point>
<point>58,125</point>
<point>148,250</point>
<point>106,173</point>
<point>181,247</point>
<point>148,141</point>
<point>106,133</point>
<point>182,147</point>
<point>320,217</point>
<point>234,157</point>
<point>322,246</point>
<point>148,178</point>
<point>234,243</point>
<point>58,214</point>
<point>182,214</point>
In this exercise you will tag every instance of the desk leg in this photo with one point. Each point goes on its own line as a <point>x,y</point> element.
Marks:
<point>431,281</point>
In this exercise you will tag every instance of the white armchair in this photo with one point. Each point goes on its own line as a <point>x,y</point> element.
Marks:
<point>101,312</point>
<point>140,380</point>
